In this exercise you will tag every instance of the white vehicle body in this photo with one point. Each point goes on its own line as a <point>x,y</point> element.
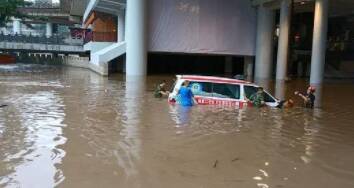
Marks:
<point>210,90</point>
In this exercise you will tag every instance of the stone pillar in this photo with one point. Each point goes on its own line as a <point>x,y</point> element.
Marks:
<point>121,26</point>
<point>49,30</point>
<point>248,68</point>
<point>228,65</point>
<point>283,42</point>
<point>280,89</point>
<point>136,38</point>
<point>319,42</point>
<point>264,43</point>
<point>16,26</point>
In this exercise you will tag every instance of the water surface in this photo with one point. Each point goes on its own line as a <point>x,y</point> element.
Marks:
<point>67,127</point>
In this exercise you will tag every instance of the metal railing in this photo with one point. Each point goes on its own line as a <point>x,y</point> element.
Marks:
<point>44,4</point>
<point>55,39</point>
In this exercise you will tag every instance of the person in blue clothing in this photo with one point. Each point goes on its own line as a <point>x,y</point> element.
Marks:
<point>186,95</point>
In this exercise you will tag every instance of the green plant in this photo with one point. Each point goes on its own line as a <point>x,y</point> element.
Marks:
<point>9,9</point>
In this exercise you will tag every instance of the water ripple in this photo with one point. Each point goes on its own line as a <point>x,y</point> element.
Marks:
<point>31,132</point>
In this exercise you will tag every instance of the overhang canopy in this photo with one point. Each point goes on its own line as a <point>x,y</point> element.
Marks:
<point>106,6</point>
<point>78,7</point>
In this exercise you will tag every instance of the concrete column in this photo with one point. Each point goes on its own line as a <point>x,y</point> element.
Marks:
<point>283,43</point>
<point>16,26</point>
<point>49,29</point>
<point>280,89</point>
<point>121,26</point>
<point>248,68</point>
<point>319,42</point>
<point>264,43</point>
<point>228,65</point>
<point>136,38</point>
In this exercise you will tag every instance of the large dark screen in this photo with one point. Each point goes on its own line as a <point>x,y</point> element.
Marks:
<point>202,26</point>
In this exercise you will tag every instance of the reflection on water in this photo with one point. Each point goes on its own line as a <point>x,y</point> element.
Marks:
<point>129,145</point>
<point>74,128</point>
<point>31,131</point>
<point>180,114</point>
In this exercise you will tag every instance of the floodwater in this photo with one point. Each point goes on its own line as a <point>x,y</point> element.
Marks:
<point>67,127</point>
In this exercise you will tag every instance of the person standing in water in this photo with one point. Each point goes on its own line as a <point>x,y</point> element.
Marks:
<point>309,97</point>
<point>186,95</point>
<point>161,91</point>
<point>257,99</point>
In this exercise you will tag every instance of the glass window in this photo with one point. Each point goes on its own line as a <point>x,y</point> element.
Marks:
<point>268,98</point>
<point>249,90</point>
<point>201,88</point>
<point>226,91</point>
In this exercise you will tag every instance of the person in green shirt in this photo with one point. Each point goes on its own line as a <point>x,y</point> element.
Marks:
<point>257,99</point>
<point>161,91</point>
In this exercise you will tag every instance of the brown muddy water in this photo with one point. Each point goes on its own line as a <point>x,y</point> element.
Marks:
<point>67,127</point>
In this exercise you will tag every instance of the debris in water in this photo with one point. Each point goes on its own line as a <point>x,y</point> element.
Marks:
<point>235,159</point>
<point>264,172</point>
<point>258,178</point>
<point>216,162</point>
<point>3,105</point>
<point>262,185</point>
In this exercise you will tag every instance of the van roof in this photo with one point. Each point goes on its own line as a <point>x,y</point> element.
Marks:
<point>212,79</point>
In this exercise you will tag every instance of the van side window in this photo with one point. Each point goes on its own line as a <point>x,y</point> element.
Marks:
<point>201,88</point>
<point>250,90</point>
<point>226,91</point>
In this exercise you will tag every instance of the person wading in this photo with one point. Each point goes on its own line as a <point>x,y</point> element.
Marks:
<point>161,91</point>
<point>186,95</point>
<point>309,97</point>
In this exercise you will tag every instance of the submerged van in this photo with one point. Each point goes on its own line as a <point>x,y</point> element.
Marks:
<point>210,90</point>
